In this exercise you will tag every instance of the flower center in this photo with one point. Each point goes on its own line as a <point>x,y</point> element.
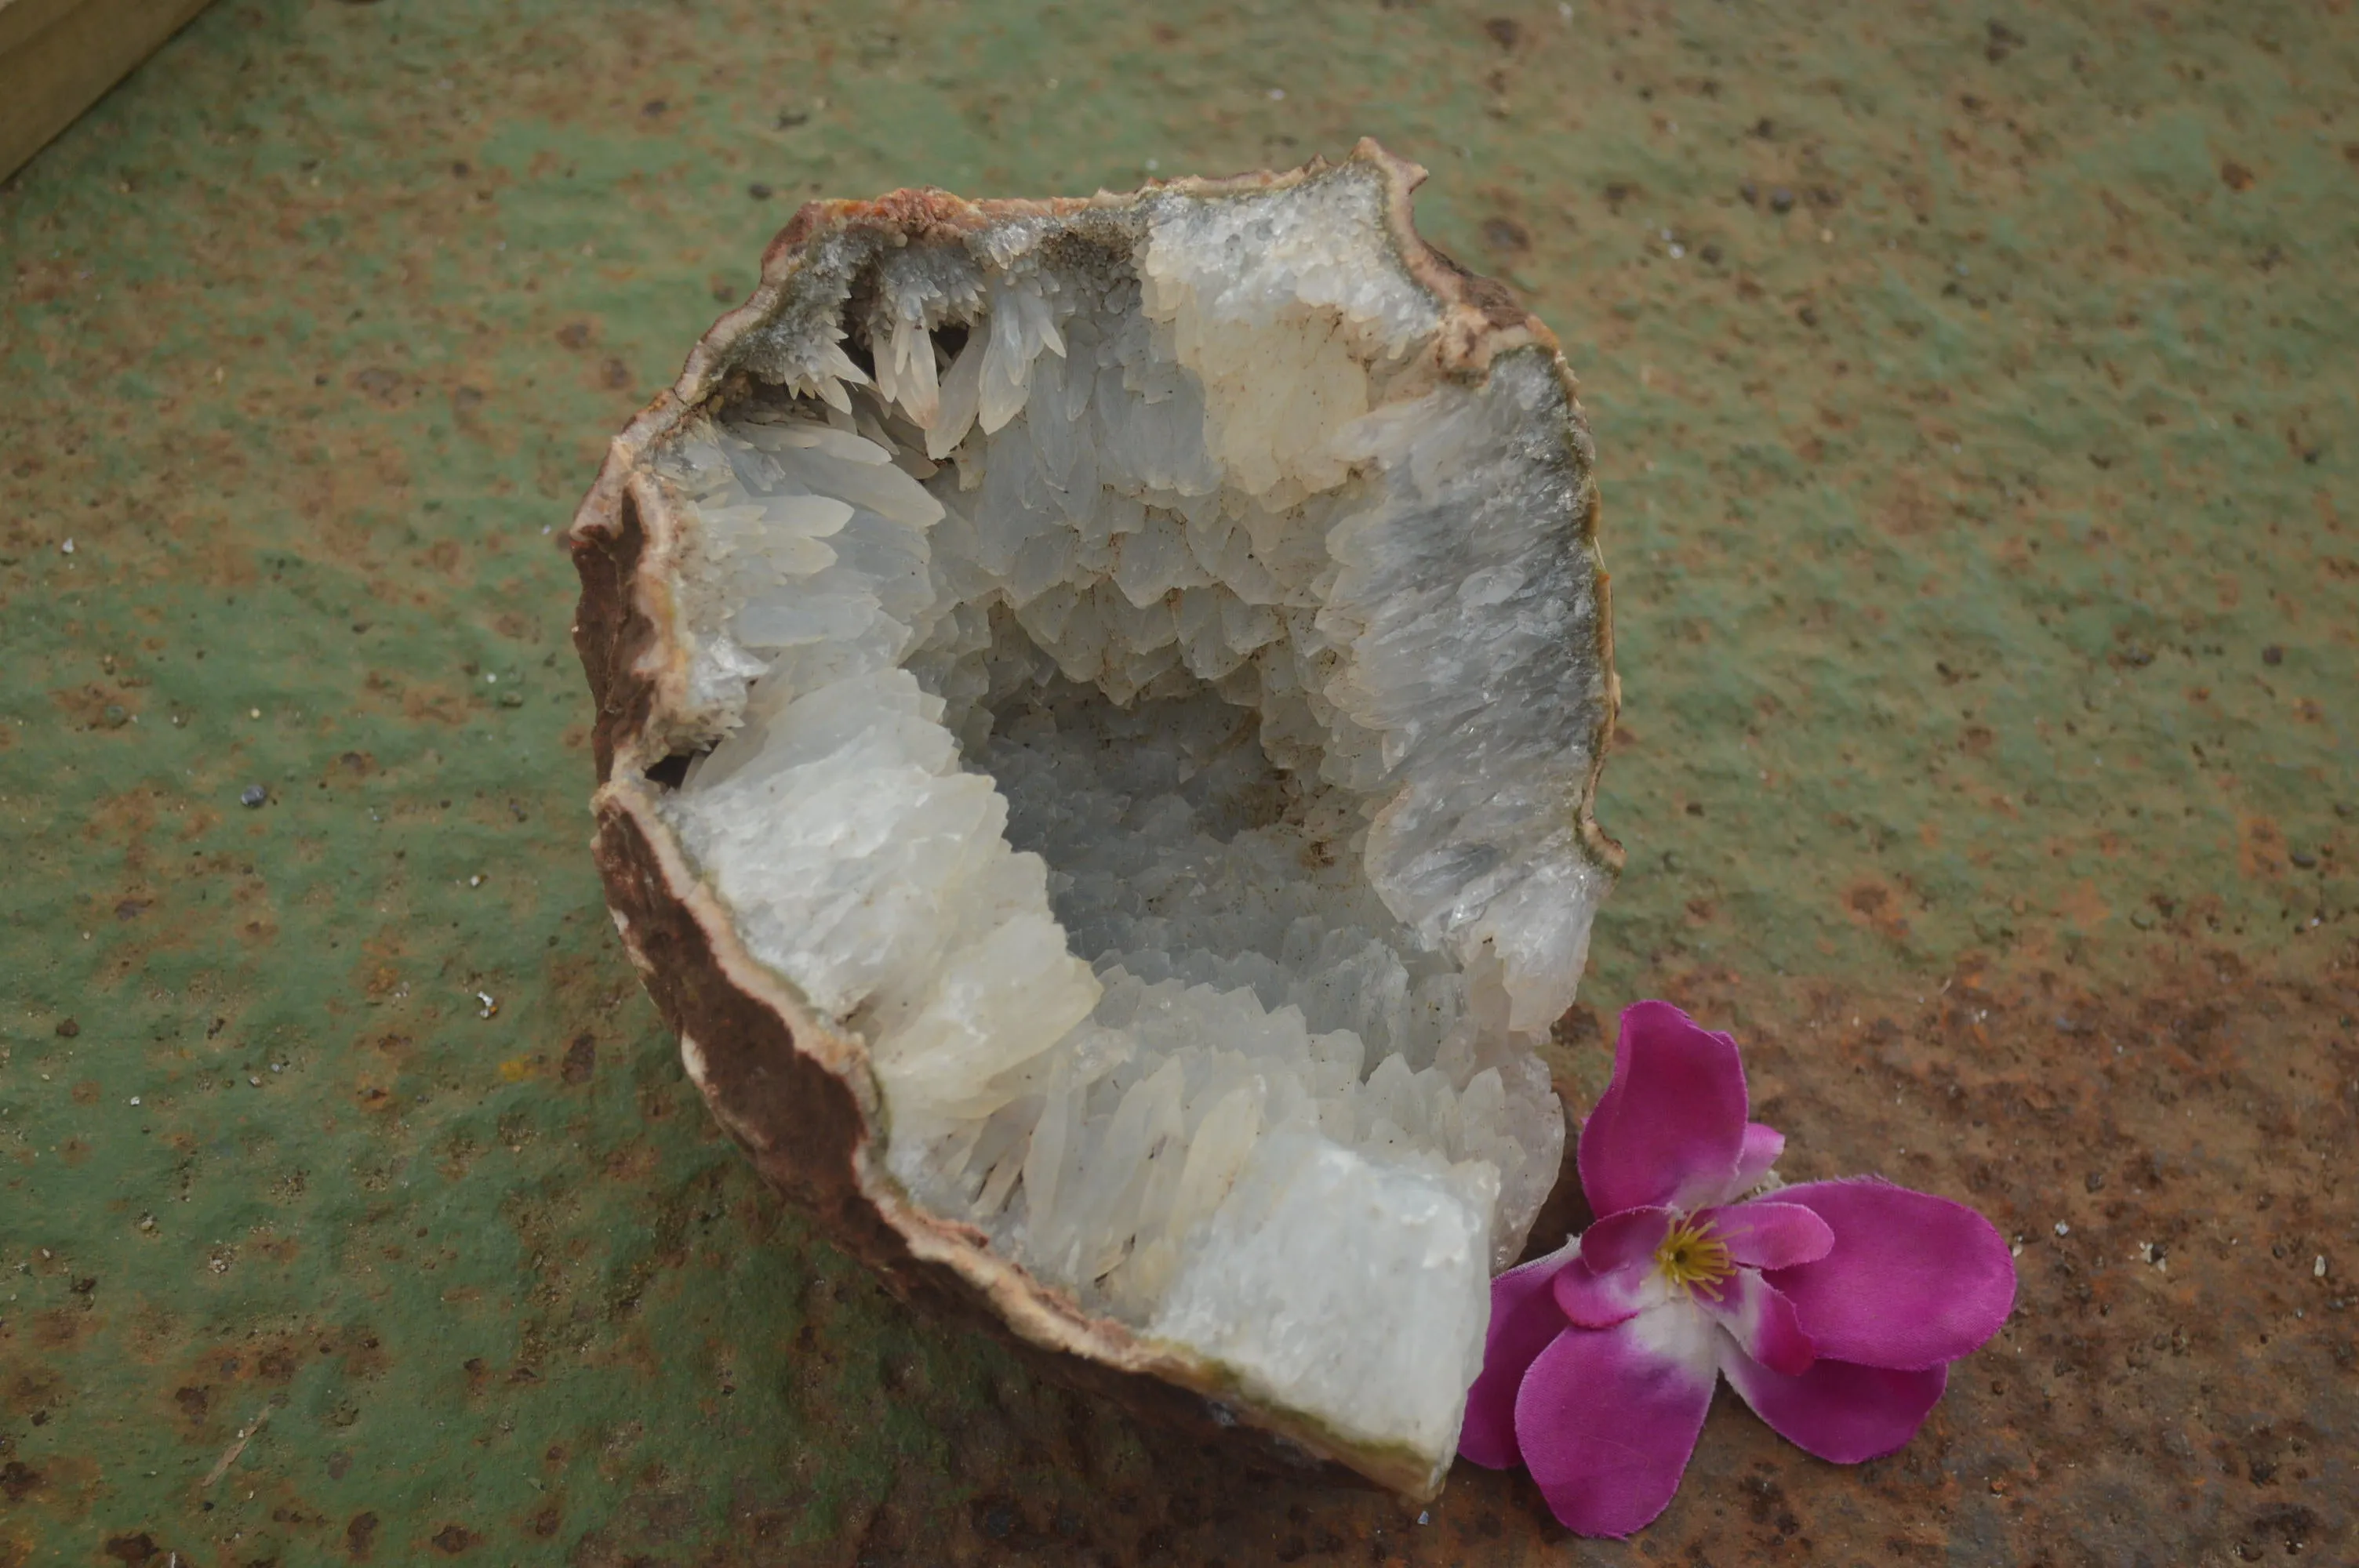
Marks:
<point>1692,1257</point>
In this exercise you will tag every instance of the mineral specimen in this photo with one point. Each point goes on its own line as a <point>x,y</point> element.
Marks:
<point>1099,706</point>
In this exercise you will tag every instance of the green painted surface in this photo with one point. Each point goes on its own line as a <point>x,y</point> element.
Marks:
<point>1987,590</point>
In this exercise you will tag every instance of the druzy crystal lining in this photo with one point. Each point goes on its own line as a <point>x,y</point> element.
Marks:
<point>1151,706</point>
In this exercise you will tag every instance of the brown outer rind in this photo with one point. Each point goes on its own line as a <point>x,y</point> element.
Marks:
<point>797,1095</point>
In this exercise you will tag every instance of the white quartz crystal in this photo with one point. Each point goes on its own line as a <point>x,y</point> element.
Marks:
<point>1151,708</point>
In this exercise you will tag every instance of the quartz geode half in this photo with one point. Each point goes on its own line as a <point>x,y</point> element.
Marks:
<point>1099,706</point>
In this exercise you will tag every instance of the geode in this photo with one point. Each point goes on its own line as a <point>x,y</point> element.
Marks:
<point>1099,706</point>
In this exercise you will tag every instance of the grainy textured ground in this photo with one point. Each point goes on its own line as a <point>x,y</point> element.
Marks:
<point>1974,394</point>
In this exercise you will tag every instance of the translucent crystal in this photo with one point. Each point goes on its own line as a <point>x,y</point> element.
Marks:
<point>1155,720</point>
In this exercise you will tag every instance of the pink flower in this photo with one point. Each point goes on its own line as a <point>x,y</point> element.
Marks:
<point>1834,1308</point>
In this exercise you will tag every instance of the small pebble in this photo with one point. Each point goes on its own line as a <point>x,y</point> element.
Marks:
<point>1781,200</point>
<point>758,192</point>
<point>2318,1267</point>
<point>2273,655</point>
<point>2062,1228</point>
<point>252,796</point>
<point>66,548</point>
<point>134,1100</point>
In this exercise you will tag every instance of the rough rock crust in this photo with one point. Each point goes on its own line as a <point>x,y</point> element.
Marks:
<point>797,1095</point>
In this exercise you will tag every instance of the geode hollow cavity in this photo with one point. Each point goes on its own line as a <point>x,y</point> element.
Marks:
<point>1099,704</point>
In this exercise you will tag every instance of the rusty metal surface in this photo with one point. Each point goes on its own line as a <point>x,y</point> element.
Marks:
<point>1973,396</point>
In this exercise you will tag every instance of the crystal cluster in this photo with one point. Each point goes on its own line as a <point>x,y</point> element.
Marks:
<point>1151,707</point>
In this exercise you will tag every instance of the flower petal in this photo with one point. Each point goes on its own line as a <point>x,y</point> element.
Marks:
<point>1763,1144</point>
<point>1768,1234</point>
<point>1608,1418</point>
<point>1614,1276</point>
<point>1524,1318</point>
<point>1838,1410</point>
<point>1620,1241</point>
<point>1670,1127</point>
<point>1762,1322</point>
<point>1590,1300</point>
<point>1913,1281</point>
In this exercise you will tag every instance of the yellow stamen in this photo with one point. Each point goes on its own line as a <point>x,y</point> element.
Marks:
<point>1692,1257</point>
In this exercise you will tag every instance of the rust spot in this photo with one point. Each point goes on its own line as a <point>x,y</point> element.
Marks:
<point>18,1480</point>
<point>453,1538</point>
<point>2235,176</point>
<point>59,1327</point>
<point>360,1535</point>
<point>1872,904</point>
<point>1506,235</point>
<point>580,1060</point>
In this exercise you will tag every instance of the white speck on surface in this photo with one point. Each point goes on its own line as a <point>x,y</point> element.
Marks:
<point>2318,1267</point>
<point>134,1100</point>
<point>1277,94</point>
<point>1677,250</point>
<point>66,548</point>
<point>2062,1228</point>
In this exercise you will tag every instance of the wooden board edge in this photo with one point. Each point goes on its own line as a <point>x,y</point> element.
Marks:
<point>61,58</point>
